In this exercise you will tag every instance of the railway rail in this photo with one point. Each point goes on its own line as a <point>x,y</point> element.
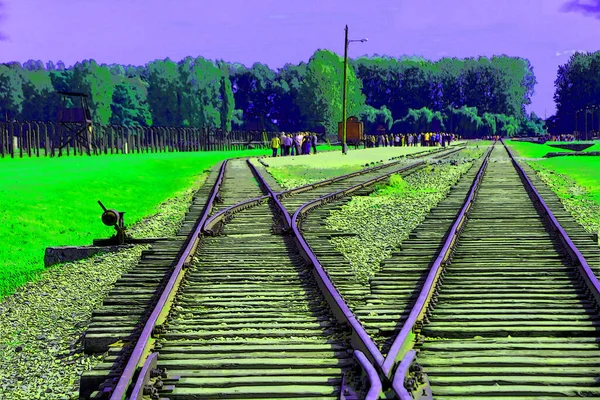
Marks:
<point>509,308</point>
<point>136,294</point>
<point>384,303</point>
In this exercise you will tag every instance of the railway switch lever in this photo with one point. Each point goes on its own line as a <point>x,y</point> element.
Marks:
<point>116,219</point>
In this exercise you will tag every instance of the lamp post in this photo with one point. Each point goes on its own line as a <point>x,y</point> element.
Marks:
<point>345,84</point>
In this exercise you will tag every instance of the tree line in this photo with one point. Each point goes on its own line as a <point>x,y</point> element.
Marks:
<point>577,89</point>
<point>473,96</point>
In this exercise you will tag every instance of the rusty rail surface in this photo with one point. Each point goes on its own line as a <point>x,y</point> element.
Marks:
<point>585,272</point>
<point>184,261</point>
<point>402,344</point>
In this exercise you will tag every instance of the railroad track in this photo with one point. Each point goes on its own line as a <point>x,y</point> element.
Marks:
<point>145,290</point>
<point>509,308</point>
<point>384,303</point>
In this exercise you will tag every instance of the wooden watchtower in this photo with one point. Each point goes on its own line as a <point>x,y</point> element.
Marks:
<point>74,114</point>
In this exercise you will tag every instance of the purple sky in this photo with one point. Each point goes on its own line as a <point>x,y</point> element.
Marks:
<point>280,31</point>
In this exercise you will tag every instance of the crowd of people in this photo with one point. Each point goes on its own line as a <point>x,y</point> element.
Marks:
<point>294,145</point>
<point>303,142</point>
<point>563,137</point>
<point>426,139</point>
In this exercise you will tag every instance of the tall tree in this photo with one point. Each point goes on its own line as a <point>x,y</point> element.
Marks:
<point>11,92</point>
<point>226,97</point>
<point>163,93</point>
<point>97,82</point>
<point>320,95</point>
<point>129,104</point>
<point>41,100</point>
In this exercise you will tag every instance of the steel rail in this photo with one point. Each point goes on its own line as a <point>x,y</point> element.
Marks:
<point>124,382</point>
<point>329,291</point>
<point>215,220</point>
<point>207,224</point>
<point>325,182</point>
<point>403,342</point>
<point>375,386</point>
<point>218,218</point>
<point>138,389</point>
<point>585,272</point>
<point>360,339</point>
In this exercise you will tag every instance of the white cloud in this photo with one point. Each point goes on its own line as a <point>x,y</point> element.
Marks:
<point>568,52</point>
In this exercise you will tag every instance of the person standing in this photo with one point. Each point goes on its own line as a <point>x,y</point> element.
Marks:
<point>282,144</point>
<point>275,143</point>
<point>306,145</point>
<point>313,142</point>
<point>298,144</point>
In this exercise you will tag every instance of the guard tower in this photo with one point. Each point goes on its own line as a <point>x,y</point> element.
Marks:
<point>74,114</point>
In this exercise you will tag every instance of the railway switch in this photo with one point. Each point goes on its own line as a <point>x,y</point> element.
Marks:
<point>116,219</point>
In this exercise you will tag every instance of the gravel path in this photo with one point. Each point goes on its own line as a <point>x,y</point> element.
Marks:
<point>42,323</point>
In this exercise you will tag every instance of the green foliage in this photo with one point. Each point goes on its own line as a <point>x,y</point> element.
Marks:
<point>129,107</point>
<point>35,214</point>
<point>97,82</point>
<point>40,100</point>
<point>412,91</point>
<point>199,93</point>
<point>226,97</point>
<point>11,91</point>
<point>577,86</point>
<point>163,93</point>
<point>373,118</point>
<point>319,95</point>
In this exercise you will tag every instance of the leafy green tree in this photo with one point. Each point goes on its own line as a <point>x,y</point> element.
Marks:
<point>320,95</point>
<point>164,97</point>
<point>226,97</point>
<point>489,124</point>
<point>468,121</point>
<point>97,82</point>
<point>129,105</point>
<point>40,99</point>
<point>373,118</point>
<point>286,103</point>
<point>11,92</point>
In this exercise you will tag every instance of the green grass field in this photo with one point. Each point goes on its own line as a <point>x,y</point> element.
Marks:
<point>533,150</point>
<point>584,170</point>
<point>53,202</point>
<point>575,180</point>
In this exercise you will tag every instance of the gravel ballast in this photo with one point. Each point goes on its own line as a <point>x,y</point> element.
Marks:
<point>42,324</point>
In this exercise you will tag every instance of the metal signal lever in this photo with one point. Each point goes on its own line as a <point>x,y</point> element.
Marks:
<point>116,219</point>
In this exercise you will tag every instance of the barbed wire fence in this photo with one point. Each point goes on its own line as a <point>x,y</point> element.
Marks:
<point>39,139</point>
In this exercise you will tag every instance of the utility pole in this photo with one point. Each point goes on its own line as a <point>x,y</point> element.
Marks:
<point>345,87</point>
<point>344,146</point>
<point>586,118</point>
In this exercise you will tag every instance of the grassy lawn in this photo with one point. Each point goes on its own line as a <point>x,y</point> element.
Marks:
<point>53,201</point>
<point>533,150</point>
<point>296,171</point>
<point>584,170</point>
<point>574,179</point>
